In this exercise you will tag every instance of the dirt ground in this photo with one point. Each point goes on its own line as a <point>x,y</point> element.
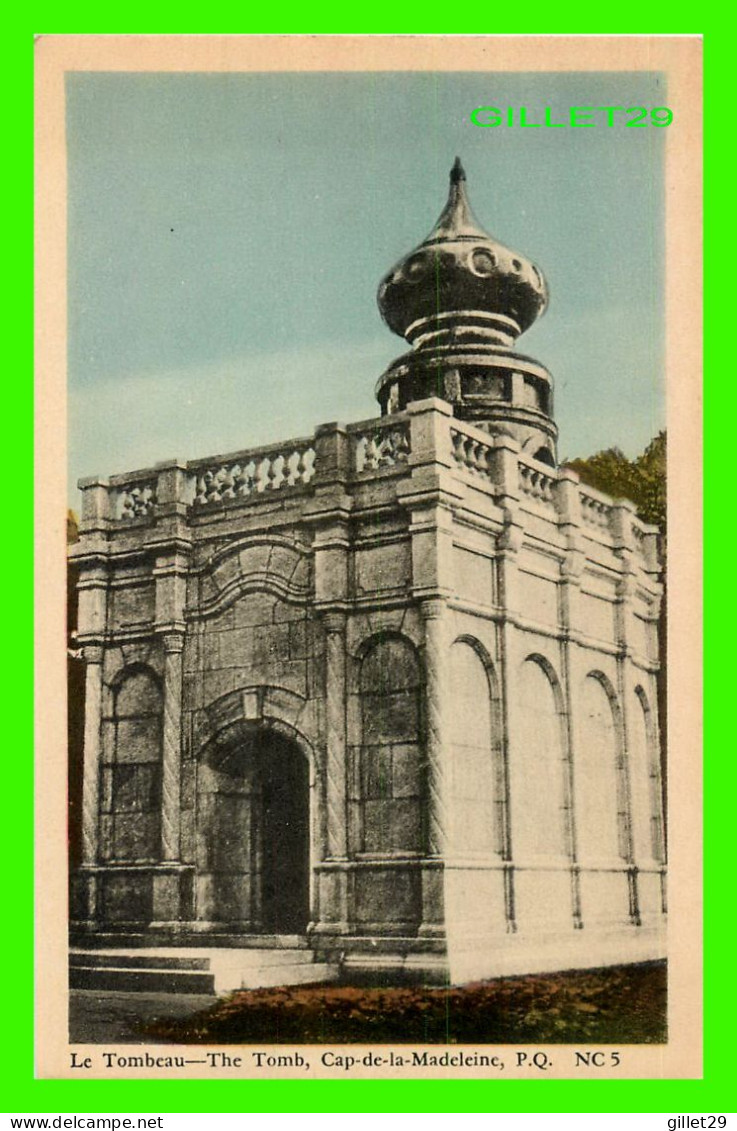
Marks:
<point>617,1005</point>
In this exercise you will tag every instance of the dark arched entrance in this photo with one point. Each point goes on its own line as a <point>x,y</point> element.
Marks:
<point>254,832</point>
<point>285,835</point>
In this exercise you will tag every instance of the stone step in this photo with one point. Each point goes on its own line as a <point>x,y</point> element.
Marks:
<point>133,980</point>
<point>125,940</point>
<point>139,960</point>
<point>407,945</point>
<point>292,956</point>
<point>205,970</point>
<point>387,969</point>
<point>180,958</point>
<point>302,974</point>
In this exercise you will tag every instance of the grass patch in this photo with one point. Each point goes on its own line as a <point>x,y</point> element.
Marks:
<point>614,1005</point>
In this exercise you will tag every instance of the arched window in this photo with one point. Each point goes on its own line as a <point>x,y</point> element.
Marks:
<point>602,819</point>
<point>391,785</point>
<point>131,774</point>
<point>477,786</point>
<point>538,787</point>
<point>544,455</point>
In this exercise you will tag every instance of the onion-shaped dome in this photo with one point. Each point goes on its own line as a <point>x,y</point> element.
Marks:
<point>461,299</point>
<point>459,267</point>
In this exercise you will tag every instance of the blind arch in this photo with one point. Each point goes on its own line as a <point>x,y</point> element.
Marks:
<point>647,783</point>
<point>390,769</point>
<point>602,805</point>
<point>538,785</point>
<point>477,785</point>
<point>131,771</point>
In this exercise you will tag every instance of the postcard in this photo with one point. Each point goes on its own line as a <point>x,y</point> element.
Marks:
<point>368,466</point>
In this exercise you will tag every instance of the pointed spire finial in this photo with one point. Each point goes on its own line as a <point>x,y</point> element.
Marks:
<point>457,221</point>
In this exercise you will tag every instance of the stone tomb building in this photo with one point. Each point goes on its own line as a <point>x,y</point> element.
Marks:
<point>384,694</point>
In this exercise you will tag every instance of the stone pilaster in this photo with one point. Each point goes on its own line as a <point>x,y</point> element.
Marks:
<point>334,893</point>
<point>171,493</point>
<point>429,496</point>
<point>569,762</point>
<point>91,767</point>
<point>96,508</point>
<point>436,690</point>
<point>92,619</point>
<point>506,474</point>
<point>171,747</point>
<point>335,707</point>
<point>328,513</point>
<point>170,573</point>
<point>622,518</point>
<point>507,583</point>
<point>92,594</point>
<point>568,504</point>
<point>435,614</point>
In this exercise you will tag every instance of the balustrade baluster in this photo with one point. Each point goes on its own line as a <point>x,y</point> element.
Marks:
<point>228,484</point>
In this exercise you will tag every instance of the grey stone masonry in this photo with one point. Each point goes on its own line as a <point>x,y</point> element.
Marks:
<point>390,686</point>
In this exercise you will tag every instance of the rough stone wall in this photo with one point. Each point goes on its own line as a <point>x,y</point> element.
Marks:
<point>458,643</point>
<point>258,642</point>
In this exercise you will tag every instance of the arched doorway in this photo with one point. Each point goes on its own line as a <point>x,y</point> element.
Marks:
<point>254,832</point>
<point>285,835</point>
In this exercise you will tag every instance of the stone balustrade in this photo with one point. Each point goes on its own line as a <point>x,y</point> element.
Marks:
<point>136,500</point>
<point>472,454</point>
<point>253,474</point>
<point>647,544</point>
<point>385,443</point>
<point>476,456</point>
<point>596,509</point>
<point>425,434</point>
<point>537,484</point>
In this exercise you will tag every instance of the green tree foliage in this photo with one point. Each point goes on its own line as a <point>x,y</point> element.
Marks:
<point>642,480</point>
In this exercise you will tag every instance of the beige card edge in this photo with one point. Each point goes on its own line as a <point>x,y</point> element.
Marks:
<point>680,59</point>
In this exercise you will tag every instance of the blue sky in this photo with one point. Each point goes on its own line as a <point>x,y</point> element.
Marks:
<point>227,233</point>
